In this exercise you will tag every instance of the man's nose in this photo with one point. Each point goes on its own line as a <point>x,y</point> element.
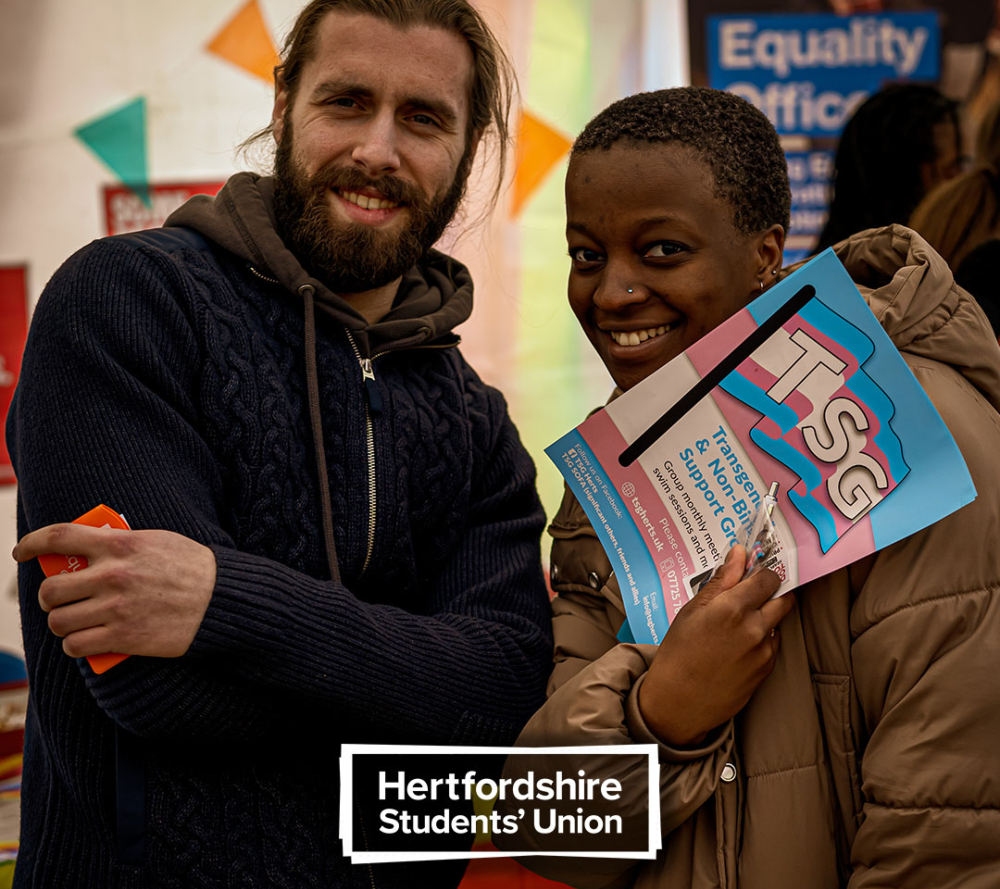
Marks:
<point>377,150</point>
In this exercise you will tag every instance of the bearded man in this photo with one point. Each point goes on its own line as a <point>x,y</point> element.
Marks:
<point>347,530</point>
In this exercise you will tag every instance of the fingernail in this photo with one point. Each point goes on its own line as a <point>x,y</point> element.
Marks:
<point>13,553</point>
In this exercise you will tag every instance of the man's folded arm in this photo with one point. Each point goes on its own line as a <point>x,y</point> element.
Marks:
<point>106,414</point>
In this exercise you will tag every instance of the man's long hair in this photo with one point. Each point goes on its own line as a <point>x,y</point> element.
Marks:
<point>494,85</point>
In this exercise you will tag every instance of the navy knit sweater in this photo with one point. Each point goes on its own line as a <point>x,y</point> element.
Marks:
<point>167,380</point>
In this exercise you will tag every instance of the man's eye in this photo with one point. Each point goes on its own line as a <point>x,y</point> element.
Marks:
<point>583,255</point>
<point>424,120</point>
<point>343,102</point>
<point>663,249</point>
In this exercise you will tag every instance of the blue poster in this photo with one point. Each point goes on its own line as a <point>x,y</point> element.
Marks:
<point>808,72</point>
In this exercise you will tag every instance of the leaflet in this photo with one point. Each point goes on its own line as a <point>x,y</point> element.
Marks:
<point>803,388</point>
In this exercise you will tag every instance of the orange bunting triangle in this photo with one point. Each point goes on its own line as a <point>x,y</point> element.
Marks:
<point>539,148</point>
<point>245,41</point>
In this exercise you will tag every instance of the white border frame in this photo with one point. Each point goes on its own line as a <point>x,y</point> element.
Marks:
<point>655,839</point>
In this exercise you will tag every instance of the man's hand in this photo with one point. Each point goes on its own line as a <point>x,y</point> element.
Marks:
<point>143,592</point>
<point>719,648</point>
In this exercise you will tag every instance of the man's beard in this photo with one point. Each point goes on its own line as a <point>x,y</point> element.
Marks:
<point>351,257</point>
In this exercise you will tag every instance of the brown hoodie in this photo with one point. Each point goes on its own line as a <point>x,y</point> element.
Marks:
<point>869,757</point>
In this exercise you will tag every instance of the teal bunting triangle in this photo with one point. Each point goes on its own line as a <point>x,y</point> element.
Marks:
<point>119,140</point>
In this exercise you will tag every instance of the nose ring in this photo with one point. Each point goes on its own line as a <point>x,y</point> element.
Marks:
<point>630,290</point>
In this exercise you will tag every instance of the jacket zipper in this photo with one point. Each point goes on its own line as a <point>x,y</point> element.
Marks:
<point>373,404</point>
<point>264,277</point>
<point>364,837</point>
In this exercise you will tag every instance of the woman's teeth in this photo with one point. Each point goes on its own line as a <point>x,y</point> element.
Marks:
<point>366,202</point>
<point>634,337</point>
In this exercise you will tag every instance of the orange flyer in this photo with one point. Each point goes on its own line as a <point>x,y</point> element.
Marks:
<point>99,517</point>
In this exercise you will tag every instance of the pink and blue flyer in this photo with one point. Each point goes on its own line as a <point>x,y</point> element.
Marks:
<point>802,389</point>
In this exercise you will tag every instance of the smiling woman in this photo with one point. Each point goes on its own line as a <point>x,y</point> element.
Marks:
<point>785,729</point>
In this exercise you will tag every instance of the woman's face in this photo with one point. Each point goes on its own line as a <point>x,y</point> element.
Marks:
<point>656,260</point>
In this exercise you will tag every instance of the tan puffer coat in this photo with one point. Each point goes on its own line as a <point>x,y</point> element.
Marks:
<point>871,755</point>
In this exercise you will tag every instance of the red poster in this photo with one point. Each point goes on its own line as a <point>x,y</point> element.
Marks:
<point>124,211</point>
<point>13,330</point>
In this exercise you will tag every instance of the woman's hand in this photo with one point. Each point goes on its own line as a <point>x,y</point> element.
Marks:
<point>719,648</point>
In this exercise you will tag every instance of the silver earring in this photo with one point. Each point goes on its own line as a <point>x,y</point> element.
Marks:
<point>761,282</point>
<point>774,271</point>
<point>629,289</point>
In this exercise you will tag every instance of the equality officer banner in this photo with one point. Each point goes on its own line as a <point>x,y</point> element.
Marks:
<point>13,331</point>
<point>807,73</point>
<point>799,404</point>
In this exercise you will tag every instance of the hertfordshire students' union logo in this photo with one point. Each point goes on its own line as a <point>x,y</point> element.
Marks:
<point>823,417</point>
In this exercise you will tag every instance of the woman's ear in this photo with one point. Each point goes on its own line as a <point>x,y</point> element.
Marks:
<point>770,250</point>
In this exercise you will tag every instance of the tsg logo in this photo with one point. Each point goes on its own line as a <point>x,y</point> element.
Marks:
<point>823,417</point>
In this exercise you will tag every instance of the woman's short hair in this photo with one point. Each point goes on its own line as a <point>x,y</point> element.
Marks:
<point>735,140</point>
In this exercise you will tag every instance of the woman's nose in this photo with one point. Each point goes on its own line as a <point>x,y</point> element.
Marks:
<point>618,290</point>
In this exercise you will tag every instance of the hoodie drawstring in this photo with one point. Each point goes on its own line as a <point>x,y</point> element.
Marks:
<point>307,292</point>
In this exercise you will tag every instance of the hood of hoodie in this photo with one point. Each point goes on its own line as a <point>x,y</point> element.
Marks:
<point>913,294</point>
<point>435,296</point>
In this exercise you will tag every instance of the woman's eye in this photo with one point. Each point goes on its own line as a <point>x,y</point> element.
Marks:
<point>583,255</point>
<point>663,249</point>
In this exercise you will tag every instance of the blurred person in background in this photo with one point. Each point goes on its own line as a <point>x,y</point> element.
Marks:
<point>900,143</point>
<point>958,215</point>
<point>960,219</point>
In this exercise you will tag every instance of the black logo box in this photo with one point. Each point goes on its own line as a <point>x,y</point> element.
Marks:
<point>547,805</point>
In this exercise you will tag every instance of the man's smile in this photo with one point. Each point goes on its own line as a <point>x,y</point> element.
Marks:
<point>367,201</point>
<point>367,206</point>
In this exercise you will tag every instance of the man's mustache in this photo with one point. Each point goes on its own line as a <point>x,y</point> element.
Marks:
<point>347,179</point>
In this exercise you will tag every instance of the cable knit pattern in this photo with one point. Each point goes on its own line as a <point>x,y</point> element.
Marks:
<point>169,382</point>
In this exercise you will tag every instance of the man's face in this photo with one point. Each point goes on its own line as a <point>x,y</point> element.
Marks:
<point>373,149</point>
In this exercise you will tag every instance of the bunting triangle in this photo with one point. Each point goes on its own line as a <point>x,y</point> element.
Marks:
<point>246,42</point>
<point>119,140</point>
<point>538,149</point>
